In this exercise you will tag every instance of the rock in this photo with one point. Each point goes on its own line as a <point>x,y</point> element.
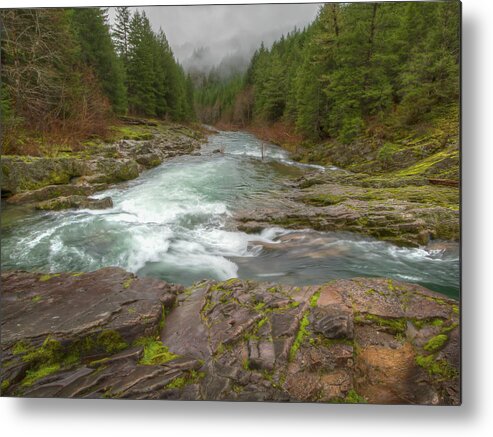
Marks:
<point>98,164</point>
<point>360,340</point>
<point>50,192</point>
<point>406,215</point>
<point>30,173</point>
<point>76,202</point>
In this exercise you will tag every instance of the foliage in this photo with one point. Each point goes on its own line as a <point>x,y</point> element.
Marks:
<point>65,75</point>
<point>356,65</point>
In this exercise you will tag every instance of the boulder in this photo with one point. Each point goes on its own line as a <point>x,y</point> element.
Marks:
<point>76,202</point>
<point>110,334</point>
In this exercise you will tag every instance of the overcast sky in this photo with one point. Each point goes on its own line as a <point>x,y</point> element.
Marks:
<point>227,29</point>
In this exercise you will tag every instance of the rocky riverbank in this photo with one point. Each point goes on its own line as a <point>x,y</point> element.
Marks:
<point>68,179</point>
<point>405,211</point>
<point>110,334</point>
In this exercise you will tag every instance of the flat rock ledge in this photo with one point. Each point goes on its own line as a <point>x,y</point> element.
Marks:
<point>109,334</point>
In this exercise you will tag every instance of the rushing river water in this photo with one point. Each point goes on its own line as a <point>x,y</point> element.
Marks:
<point>171,223</point>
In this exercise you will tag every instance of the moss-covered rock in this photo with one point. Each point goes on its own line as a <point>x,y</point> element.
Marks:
<point>76,202</point>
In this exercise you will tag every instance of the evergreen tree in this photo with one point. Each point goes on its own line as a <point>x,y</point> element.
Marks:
<point>97,51</point>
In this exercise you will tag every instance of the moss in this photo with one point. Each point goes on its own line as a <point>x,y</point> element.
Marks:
<point>324,200</point>
<point>300,336</point>
<point>179,382</point>
<point>127,283</point>
<point>352,397</point>
<point>259,306</point>
<point>396,325</point>
<point>435,343</point>
<point>314,299</point>
<point>191,377</point>
<point>111,341</point>
<point>36,299</point>
<point>5,385</point>
<point>237,388</point>
<point>455,309</point>
<point>76,274</point>
<point>154,352</point>
<point>44,278</point>
<point>44,370</point>
<point>262,322</point>
<point>421,323</point>
<point>440,369</point>
<point>246,364</point>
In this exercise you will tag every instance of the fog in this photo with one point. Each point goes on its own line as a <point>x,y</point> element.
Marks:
<point>203,36</point>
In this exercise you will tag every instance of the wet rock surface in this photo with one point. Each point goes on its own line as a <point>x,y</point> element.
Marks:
<point>110,334</point>
<point>406,212</point>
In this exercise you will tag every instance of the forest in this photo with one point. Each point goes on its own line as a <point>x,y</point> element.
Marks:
<point>66,74</point>
<point>357,66</point>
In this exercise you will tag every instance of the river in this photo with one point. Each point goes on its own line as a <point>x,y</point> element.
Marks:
<point>173,223</point>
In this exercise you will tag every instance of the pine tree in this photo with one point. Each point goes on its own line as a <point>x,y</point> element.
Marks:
<point>97,51</point>
<point>121,32</point>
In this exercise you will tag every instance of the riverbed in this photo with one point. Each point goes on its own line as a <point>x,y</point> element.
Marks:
<point>174,223</point>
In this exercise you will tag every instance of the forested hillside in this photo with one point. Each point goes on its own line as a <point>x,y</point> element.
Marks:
<point>66,75</point>
<point>376,71</point>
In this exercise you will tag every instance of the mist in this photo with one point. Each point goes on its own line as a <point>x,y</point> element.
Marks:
<point>206,36</point>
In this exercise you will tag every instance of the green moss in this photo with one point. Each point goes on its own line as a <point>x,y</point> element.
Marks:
<point>191,377</point>
<point>44,370</point>
<point>259,306</point>
<point>76,274</point>
<point>36,299</point>
<point>324,200</point>
<point>300,336</point>
<point>387,151</point>
<point>5,385</point>
<point>179,382</point>
<point>352,397</point>
<point>435,343</point>
<point>421,323</point>
<point>154,352</point>
<point>440,369</point>
<point>111,341</point>
<point>396,325</point>
<point>127,283</point>
<point>246,364</point>
<point>314,299</point>
<point>47,277</point>
<point>455,309</point>
<point>262,322</point>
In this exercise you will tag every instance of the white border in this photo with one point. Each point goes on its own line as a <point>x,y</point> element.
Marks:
<point>77,418</point>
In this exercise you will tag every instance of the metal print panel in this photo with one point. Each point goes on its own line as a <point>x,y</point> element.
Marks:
<point>238,203</point>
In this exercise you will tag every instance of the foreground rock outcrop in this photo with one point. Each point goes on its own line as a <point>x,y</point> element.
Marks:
<point>110,334</point>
